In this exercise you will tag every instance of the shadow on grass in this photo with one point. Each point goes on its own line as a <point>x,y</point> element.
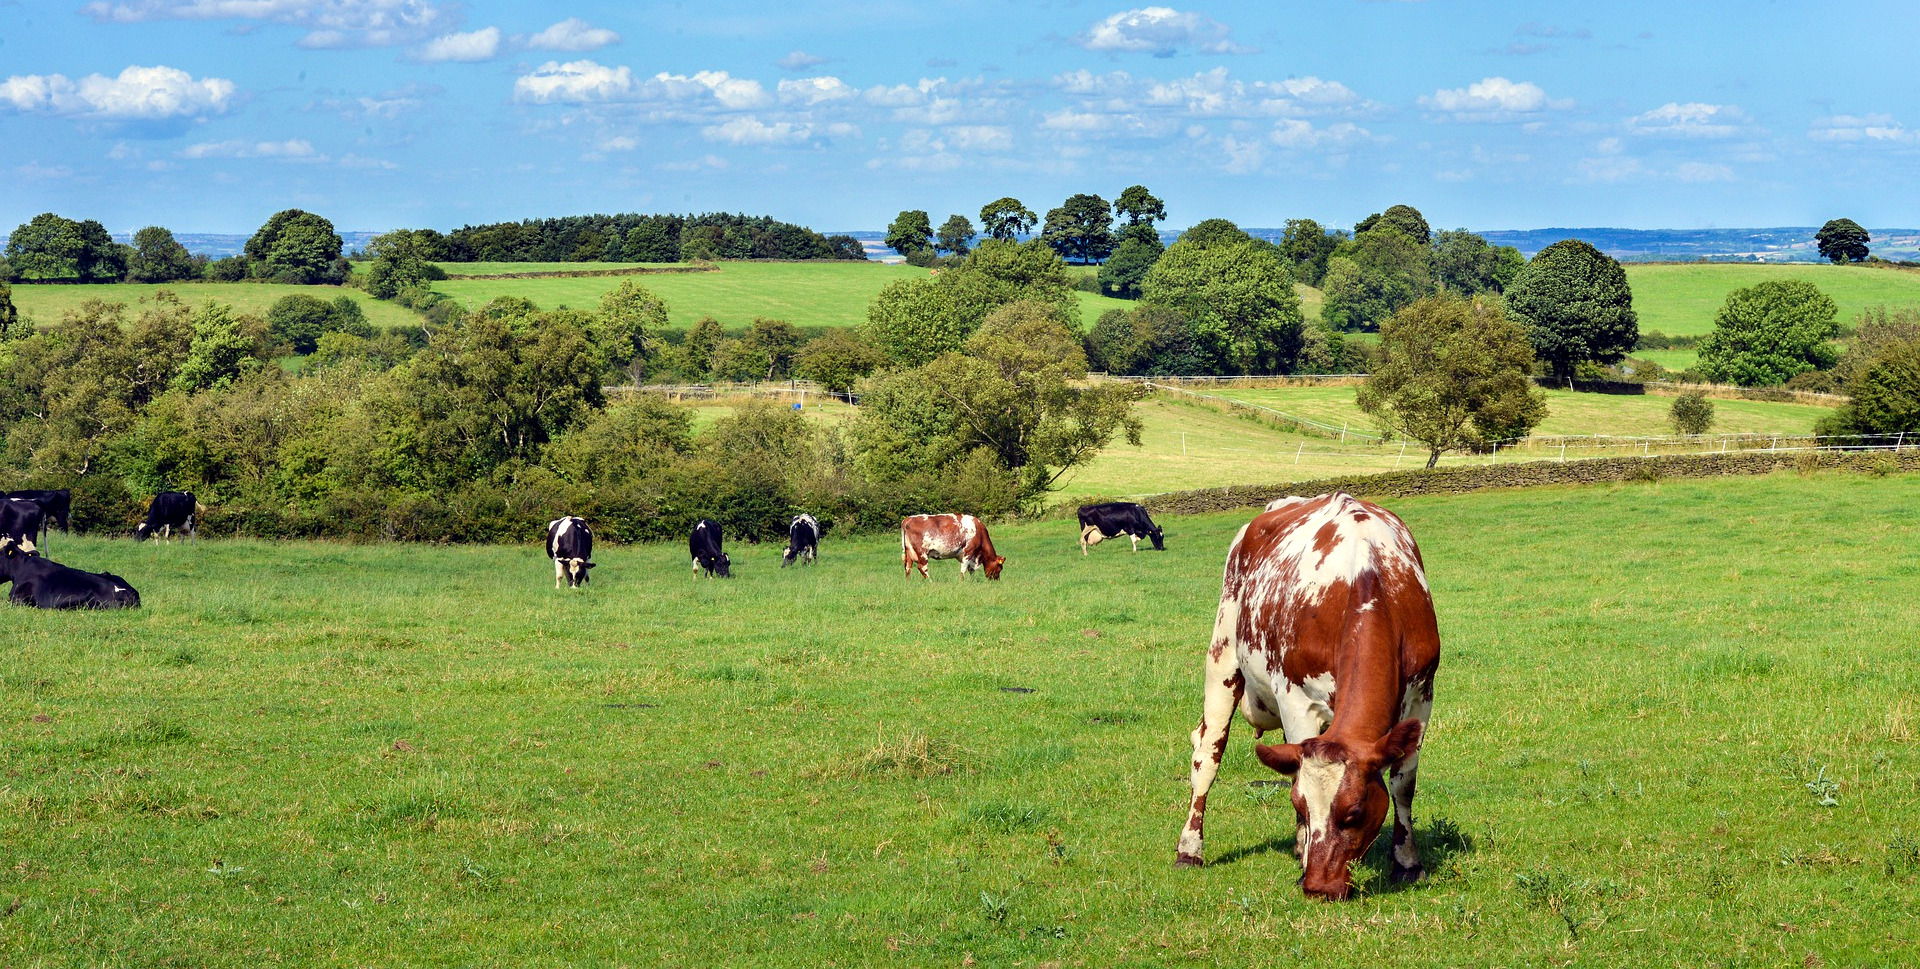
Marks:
<point>1275,845</point>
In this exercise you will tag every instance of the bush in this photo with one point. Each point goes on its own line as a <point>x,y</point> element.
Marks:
<point>227,269</point>
<point>1692,413</point>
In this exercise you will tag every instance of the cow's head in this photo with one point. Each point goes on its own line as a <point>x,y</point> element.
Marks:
<point>1339,800</point>
<point>994,564</point>
<point>724,568</point>
<point>1159,539</point>
<point>577,572</point>
<point>141,531</point>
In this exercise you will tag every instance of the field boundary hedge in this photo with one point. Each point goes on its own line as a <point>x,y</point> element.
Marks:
<point>1453,481</point>
<point>583,273</point>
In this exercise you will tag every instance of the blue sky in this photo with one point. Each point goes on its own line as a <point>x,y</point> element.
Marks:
<point>209,115</point>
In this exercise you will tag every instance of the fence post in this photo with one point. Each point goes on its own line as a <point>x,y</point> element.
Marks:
<point>1496,454</point>
<point>1343,432</point>
<point>1183,443</point>
<point>1563,450</point>
<point>1296,452</point>
<point>1900,441</point>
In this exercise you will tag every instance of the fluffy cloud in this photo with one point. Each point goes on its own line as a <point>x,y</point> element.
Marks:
<point>477,45</point>
<point>1213,93</point>
<point>293,149</point>
<point>799,61</point>
<point>1863,129</point>
<point>573,81</point>
<point>753,131</point>
<point>815,90</point>
<point>1492,99</point>
<point>1690,120</point>
<point>572,34</point>
<point>1161,31</point>
<point>329,23</point>
<point>725,90</point>
<point>1301,135</point>
<point>138,94</point>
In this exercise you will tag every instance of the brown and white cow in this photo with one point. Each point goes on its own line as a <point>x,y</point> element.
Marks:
<point>962,537</point>
<point>1325,631</point>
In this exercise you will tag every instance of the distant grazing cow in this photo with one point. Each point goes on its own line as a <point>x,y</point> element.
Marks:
<point>47,584</point>
<point>1325,631</point>
<point>56,504</point>
<point>803,541</point>
<point>570,546</point>
<point>21,520</point>
<point>962,537</point>
<point>1117,518</point>
<point>704,542</point>
<point>170,510</point>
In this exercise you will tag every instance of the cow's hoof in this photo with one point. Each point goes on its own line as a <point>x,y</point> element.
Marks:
<point>1407,876</point>
<point>1184,860</point>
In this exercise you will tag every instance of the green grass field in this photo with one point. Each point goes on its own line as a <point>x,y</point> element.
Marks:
<point>378,755</point>
<point>1680,300</point>
<point>45,304</point>
<point>1568,412</point>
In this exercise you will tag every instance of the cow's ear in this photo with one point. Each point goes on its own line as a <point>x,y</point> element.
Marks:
<point>1400,742</point>
<point>591,564</point>
<point>1284,758</point>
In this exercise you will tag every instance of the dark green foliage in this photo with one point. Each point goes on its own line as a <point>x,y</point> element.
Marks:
<point>1842,240</point>
<point>1874,330</point>
<point>1766,334</point>
<point>1006,219</point>
<point>1305,247</point>
<point>10,328</point>
<point>1885,392</point>
<point>295,247</point>
<point>1214,232</point>
<point>1453,375</point>
<point>1246,317</point>
<point>403,260</point>
<point>837,359</point>
<point>297,321</point>
<point>1692,413</point>
<point>51,249</point>
<point>1576,306</point>
<point>644,238</point>
<point>1122,274</point>
<point>1372,276</point>
<point>1465,264</point>
<point>956,236</point>
<point>1404,219</point>
<point>227,269</point>
<point>915,320</point>
<point>1081,228</point>
<point>159,258</point>
<point>911,231</point>
<point>1137,206</point>
<point>1146,340</point>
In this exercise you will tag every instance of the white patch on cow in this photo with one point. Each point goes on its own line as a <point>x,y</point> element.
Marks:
<point>1318,783</point>
<point>119,589</point>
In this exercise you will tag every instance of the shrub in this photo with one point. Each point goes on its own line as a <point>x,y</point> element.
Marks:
<point>1692,413</point>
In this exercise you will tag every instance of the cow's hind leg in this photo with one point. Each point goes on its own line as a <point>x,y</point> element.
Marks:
<point>1224,685</point>
<point>559,573</point>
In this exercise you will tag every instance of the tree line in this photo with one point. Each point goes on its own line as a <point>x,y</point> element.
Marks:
<point>293,246</point>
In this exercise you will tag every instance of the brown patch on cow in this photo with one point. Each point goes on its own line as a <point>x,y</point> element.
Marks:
<point>1198,811</point>
<point>1184,860</point>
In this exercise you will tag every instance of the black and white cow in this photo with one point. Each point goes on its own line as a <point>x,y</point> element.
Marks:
<point>1117,518</point>
<point>168,511</point>
<point>21,520</point>
<point>570,546</point>
<point>57,504</point>
<point>803,541</point>
<point>704,543</point>
<point>46,584</point>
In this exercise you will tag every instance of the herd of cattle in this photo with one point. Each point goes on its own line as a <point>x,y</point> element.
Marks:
<point>1325,631</point>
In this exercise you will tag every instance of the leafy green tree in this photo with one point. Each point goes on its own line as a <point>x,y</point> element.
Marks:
<point>159,258</point>
<point>51,249</point>
<point>225,348</point>
<point>653,240</point>
<point>1080,228</point>
<point>1137,206</point>
<point>227,269</point>
<point>702,340</point>
<point>1691,413</point>
<point>1885,395</point>
<point>1006,219</point>
<point>635,437</point>
<point>837,359</point>
<point>70,391</point>
<point>403,260</point>
<point>297,321</point>
<point>1145,340</point>
<point>1240,299</point>
<point>911,231</point>
<point>10,328</point>
<point>347,317</point>
<point>738,361</point>
<point>956,236</point>
<point>1453,375</point>
<point>915,320</point>
<point>1305,247</point>
<point>1842,240</point>
<point>1404,219</point>
<point>1576,306</point>
<point>1466,264</point>
<point>1767,333</point>
<point>777,341</point>
<point>1371,277</point>
<point>1874,330</point>
<point>627,327</point>
<point>295,246</point>
<point>1139,249</point>
<point>1210,232</point>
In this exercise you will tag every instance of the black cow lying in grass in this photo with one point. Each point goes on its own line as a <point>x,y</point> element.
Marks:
<point>47,584</point>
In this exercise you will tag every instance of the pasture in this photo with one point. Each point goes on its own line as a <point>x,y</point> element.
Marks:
<point>1675,725</point>
<point>1568,412</point>
<point>1680,299</point>
<point>46,304</point>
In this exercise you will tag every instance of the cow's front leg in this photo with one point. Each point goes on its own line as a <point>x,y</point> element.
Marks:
<point>1224,685</point>
<point>1406,854</point>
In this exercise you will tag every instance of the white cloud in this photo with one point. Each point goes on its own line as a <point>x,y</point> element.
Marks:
<point>572,34</point>
<point>799,60</point>
<point>1493,99</point>
<point>980,137</point>
<point>619,143</point>
<point>1690,120</point>
<point>1862,129</point>
<point>1161,31</point>
<point>573,81</point>
<point>1622,168</point>
<point>815,90</point>
<point>1214,93</point>
<point>466,48</point>
<point>703,163</point>
<point>729,92</point>
<point>1301,135</point>
<point>329,23</point>
<point>293,149</point>
<point>753,131</point>
<point>138,94</point>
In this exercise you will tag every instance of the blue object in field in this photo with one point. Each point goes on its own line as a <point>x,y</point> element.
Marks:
<point>798,406</point>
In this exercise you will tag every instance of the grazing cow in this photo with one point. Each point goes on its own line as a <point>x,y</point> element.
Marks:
<point>167,511</point>
<point>962,537</point>
<point>708,558</point>
<point>1117,518</point>
<point>57,504</point>
<point>21,520</point>
<point>47,584</point>
<point>1325,631</point>
<point>570,546</point>
<point>803,541</point>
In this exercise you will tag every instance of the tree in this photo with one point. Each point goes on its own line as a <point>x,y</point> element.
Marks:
<point>298,320</point>
<point>1875,329</point>
<point>1305,247</point>
<point>1453,375</point>
<point>1885,395</point>
<point>402,261</point>
<point>836,359</point>
<point>910,232</point>
<point>1245,314</point>
<point>956,236</point>
<point>1081,227</point>
<point>1842,240</point>
<point>1691,413</point>
<point>698,348</point>
<point>778,341</point>
<point>627,327</point>
<point>1576,306</point>
<point>1769,332</point>
<point>1139,249</point>
<point>1137,206</point>
<point>225,348</point>
<point>1371,277</point>
<point>1466,264</point>
<point>159,258</point>
<point>1210,232</point>
<point>1006,219</point>
<point>1403,218</point>
<point>10,327</point>
<point>295,246</point>
<point>1145,340</point>
<point>915,320</point>
<point>52,249</point>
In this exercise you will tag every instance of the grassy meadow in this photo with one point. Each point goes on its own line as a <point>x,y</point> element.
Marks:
<point>1680,299</point>
<point>45,304</point>
<point>1568,412</point>
<point>1646,749</point>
